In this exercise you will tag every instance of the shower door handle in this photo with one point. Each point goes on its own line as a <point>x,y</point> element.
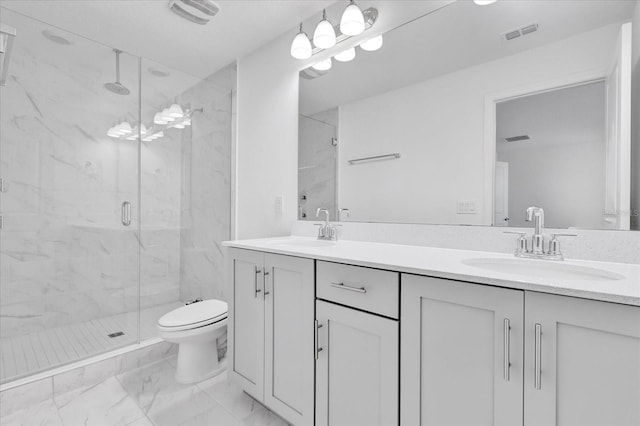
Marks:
<point>126,213</point>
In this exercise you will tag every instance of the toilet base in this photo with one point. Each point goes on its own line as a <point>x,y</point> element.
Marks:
<point>198,361</point>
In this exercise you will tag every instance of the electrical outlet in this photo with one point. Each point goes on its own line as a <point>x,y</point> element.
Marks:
<point>278,204</point>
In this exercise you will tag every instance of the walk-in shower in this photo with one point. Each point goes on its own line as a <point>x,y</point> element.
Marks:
<point>76,279</point>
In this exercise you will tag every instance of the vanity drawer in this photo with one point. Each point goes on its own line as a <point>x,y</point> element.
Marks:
<point>368,289</point>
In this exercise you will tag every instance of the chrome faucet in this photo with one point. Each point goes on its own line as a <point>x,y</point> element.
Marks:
<point>537,240</point>
<point>327,231</point>
<point>537,251</point>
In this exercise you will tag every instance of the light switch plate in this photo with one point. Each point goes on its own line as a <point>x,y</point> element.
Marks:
<point>466,207</point>
<point>278,204</point>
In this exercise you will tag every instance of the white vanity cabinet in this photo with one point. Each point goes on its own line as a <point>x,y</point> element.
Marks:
<point>357,370</point>
<point>271,331</point>
<point>461,353</point>
<point>582,362</point>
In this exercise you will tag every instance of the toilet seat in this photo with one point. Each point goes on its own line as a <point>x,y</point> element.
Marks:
<point>195,315</point>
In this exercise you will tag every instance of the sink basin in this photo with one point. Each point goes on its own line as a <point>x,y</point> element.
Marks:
<point>302,242</point>
<point>543,269</point>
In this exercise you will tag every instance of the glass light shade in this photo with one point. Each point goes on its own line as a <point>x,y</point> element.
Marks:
<point>187,122</point>
<point>143,129</point>
<point>133,136</point>
<point>113,133</point>
<point>124,128</point>
<point>323,65</point>
<point>166,115</point>
<point>346,55</point>
<point>159,119</point>
<point>324,36</point>
<point>179,126</point>
<point>175,111</point>
<point>483,2</point>
<point>352,21</point>
<point>372,44</point>
<point>301,46</point>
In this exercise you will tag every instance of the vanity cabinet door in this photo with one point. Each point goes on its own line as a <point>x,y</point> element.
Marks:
<point>289,337</point>
<point>246,321</point>
<point>357,368</point>
<point>582,362</point>
<point>461,353</point>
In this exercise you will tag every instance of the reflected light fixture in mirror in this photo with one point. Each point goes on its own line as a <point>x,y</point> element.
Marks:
<point>372,44</point>
<point>483,2</point>
<point>346,55</point>
<point>301,46</point>
<point>352,21</point>
<point>323,65</point>
<point>324,36</point>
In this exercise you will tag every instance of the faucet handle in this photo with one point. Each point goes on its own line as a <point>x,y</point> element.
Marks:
<point>321,229</point>
<point>522,241</point>
<point>554,244</point>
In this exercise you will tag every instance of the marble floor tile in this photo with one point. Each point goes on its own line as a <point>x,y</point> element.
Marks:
<point>162,399</point>
<point>238,403</point>
<point>42,414</point>
<point>215,416</point>
<point>106,403</point>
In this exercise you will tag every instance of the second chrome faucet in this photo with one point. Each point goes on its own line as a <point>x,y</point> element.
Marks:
<point>536,215</point>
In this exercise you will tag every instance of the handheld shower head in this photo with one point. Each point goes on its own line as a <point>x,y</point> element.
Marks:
<point>117,87</point>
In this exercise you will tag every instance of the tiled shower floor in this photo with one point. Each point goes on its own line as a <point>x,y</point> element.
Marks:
<point>148,396</point>
<point>30,353</point>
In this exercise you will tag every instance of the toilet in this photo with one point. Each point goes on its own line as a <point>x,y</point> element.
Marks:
<point>196,328</point>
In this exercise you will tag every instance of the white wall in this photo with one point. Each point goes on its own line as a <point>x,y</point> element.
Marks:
<point>635,121</point>
<point>437,127</point>
<point>267,126</point>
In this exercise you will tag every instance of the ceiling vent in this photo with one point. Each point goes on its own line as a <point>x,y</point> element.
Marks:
<point>519,32</point>
<point>517,138</point>
<point>197,11</point>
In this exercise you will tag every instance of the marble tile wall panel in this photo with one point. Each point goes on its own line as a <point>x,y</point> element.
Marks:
<point>317,164</point>
<point>206,189</point>
<point>65,256</point>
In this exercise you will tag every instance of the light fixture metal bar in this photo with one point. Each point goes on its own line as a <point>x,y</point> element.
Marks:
<point>370,17</point>
<point>392,156</point>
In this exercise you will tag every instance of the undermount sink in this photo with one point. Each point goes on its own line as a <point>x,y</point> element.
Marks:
<point>543,269</point>
<point>301,242</point>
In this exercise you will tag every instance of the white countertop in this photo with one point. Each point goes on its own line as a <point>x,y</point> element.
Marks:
<point>448,263</point>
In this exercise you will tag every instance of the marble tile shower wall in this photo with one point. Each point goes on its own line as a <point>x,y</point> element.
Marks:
<point>206,189</point>
<point>65,256</point>
<point>317,158</point>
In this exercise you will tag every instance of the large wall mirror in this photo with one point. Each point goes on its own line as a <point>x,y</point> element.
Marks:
<point>470,114</point>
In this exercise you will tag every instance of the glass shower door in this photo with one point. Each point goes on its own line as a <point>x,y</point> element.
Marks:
<point>69,163</point>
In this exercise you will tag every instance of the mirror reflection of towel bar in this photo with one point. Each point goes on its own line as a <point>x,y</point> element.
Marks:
<point>376,157</point>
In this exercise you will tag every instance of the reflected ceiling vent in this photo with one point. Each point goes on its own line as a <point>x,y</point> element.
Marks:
<point>520,32</point>
<point>51,36</point>
<point>517,138</point>
<point>158,72</point>
<point>198,11</point>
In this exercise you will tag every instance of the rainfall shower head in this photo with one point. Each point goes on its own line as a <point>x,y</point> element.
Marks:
<point>117,87</point>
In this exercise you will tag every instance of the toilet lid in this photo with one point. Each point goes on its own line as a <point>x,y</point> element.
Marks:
<point>194,313</point>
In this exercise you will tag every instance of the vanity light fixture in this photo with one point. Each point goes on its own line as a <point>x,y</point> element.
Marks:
<point>372,44</point>
<point>322,65</point>
<point>324,36</point>
<point>346,55</point>
<point>301,46</point>
<point>483,2</point>
<point>352,21</point>
<point>174,116</point>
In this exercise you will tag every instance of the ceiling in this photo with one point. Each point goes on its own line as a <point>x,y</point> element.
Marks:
<point>455,37</point>
<point>148,28</point>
